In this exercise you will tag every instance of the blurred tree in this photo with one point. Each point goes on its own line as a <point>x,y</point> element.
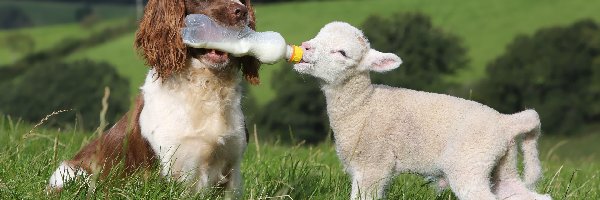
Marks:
<point>555,71</point>
<point>84,11</point>
<point>299,107</point>
<point>53,86</point>
<point>428,52</point>
<point>85,15</point>
<point>13,17</point>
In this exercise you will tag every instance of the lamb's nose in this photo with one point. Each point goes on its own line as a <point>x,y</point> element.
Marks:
<point>306,46</point>
<point>239,12</point>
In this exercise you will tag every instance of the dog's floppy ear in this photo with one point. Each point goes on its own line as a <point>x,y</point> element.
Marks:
<point>251,16</point>
<point>158,38</point>
<point>250,65</point>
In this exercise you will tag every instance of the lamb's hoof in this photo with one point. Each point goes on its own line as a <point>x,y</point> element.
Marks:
<point>543,197</point>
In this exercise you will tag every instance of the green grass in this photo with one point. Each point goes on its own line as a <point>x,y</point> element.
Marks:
<point>27,158</point>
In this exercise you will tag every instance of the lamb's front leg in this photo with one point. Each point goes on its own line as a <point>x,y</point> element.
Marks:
<point>369,183</point>
<point>233,187</point>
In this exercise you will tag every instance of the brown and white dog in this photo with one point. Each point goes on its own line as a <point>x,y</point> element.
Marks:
<point>188,116</point>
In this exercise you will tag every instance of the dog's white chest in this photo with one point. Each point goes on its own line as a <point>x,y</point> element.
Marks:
<point>187,125</point>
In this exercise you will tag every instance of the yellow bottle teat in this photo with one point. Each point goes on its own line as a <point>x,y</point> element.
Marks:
<point>296,55</point>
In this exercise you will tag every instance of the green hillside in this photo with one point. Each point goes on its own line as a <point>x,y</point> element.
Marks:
<point>47,36</point>
<point>45,13</point>
<point>485,27</point>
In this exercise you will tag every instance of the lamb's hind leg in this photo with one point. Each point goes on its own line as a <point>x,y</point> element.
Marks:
<point>508,185</point>
<point>471,180</point>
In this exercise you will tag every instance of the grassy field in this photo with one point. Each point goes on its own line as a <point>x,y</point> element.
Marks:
<point>28,156</point>
<point>485,27</point>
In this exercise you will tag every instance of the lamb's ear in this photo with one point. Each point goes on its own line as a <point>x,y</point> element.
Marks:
<point>380,62</point>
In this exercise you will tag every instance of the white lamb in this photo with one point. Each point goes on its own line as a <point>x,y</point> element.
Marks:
<point>381,130</point>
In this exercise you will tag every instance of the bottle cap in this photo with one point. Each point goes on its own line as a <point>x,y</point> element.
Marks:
<point>297,53</point>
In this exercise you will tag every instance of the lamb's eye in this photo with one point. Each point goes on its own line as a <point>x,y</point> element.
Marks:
<point>342,52</point>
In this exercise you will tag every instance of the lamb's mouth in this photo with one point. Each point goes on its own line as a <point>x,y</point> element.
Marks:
<point>302,66</point>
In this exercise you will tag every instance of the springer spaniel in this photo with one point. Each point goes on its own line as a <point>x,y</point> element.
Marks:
<point>188,116</point>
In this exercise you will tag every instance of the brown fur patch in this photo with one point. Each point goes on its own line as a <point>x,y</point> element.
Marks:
<point>251,65</point>
<point>122,143</point>
<point>158,38</point>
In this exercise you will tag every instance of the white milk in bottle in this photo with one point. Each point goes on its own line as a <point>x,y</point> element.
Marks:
<point>268,47</point>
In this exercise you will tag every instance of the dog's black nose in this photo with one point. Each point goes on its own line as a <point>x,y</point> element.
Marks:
<point>239,12</point>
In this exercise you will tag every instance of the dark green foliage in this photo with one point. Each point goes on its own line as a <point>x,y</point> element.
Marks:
<point>298,110</point>
<point>428,53</point>
<point>556,71</point>
<point>13,17</point>
<point>83,12</point>
<point>54,86</point>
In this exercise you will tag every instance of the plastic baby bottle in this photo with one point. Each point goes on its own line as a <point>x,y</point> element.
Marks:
<point>268,47</point>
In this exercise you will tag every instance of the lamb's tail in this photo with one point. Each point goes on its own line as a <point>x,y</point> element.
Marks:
<point>526,124</point>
